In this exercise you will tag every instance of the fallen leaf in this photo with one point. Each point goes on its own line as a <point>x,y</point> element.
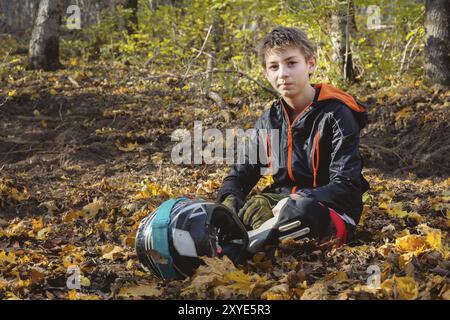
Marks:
<point>37,275</point>
<point>70,216</point>
<point>144,290</point>
<point>317,292</point>
<point>113,253</point>
<point>278,292</point>
<point>90,210</point>
<point>410,243</point>
<point>3,283</point>
<point>405,287</point>
<point>128,147</point>
<point>6,257</point>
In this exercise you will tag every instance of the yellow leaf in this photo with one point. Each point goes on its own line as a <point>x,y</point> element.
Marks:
<point>38,224</point>
<point>89,297</point>
<point>210,274</point>
<point>446,295</point>
<point>85,282</point>
<point>113,253</point>
<point>70,216</point>
<point>211,186</point>
<point>72,295</point>
<point>150,190</point>
<point>335,277</point>
<point>73,62</point>
<point>12,93</point>
<point>397,210</point>
<point>246,110</point>
<point>448,218</point>
<point>434,239</point>
<point>433,236</point>
<point>11,296</point>
<point>3,283</point>
<point>129,147</point>
<point>104,225</point>
<point>278,292</point>
<point>90,210</point>
<point>43,233</point>
<point>318,291</point>
<point>415,216</point>
<point>410,243</point>
<point>405,287</point>
<point>19,196</point>
<point>403,114</point>
<point>239,281</point>
<point>23,283</point>
<point>7,257</point>
<point>53,91</point>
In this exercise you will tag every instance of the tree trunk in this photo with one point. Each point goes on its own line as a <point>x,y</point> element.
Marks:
<point>132,23</point>
<point>437,42</point>
<point>44,43</point>
<point>215,46</point>
<point>342,23</point>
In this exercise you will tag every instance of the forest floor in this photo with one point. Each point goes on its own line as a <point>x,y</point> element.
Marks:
<point>85,155</point>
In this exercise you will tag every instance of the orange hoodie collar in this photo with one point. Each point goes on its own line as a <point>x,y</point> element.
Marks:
<point>329,92</point>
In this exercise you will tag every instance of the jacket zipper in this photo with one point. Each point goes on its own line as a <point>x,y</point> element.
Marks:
<point>315,158</point>
<point>289,162</point>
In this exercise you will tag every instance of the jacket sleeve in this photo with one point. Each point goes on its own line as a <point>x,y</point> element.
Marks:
<point>245,174</point>
<point>345,189</point>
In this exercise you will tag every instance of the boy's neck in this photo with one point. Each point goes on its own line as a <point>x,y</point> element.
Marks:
<point>301,102</point>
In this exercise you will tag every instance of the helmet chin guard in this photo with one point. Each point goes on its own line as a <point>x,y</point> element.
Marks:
<point>171,239</point>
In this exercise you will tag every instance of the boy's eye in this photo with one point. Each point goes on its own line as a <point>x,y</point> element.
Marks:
<point>273,67</point>
<point>291,63</point>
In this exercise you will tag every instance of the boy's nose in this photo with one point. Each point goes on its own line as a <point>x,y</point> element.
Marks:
<point>283,72</point>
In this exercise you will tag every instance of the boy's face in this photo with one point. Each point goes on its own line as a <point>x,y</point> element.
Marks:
<point>288,72</point>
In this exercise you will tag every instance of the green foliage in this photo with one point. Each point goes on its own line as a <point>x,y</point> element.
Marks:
<point>382,55</point>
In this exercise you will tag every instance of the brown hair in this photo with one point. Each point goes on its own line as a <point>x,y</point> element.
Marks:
<point>283,37</point>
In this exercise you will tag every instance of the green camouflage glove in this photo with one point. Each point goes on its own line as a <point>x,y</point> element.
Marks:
<point>258,209</point>
<point>233,203</point>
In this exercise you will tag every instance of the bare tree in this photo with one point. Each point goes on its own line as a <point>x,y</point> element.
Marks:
<point>44,44</point>
<point>342,23</point>
<point>437,41</point>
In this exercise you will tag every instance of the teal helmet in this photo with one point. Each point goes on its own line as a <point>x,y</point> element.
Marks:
<point>171,239</point>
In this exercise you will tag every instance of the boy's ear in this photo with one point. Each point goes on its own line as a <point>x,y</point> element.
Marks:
<point>312,64</point>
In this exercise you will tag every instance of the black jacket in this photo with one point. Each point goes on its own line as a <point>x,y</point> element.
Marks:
<point>319,153</point>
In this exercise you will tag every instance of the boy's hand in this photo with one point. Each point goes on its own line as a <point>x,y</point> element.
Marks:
<point>259,209</point>
<point>233,203</point>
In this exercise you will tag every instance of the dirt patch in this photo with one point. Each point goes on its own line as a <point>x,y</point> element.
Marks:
<point>409,132</point>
